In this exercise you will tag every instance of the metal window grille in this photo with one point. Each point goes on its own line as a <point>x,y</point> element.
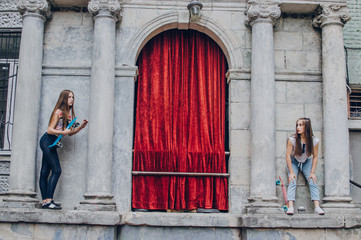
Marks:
<point>355,104</point>
<point>9,55</point>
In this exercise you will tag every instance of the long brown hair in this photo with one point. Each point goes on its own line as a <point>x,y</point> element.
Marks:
<point>308,137</point>
<point>62,104</point>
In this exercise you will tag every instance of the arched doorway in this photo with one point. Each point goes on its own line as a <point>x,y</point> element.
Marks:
<point>180,129</point>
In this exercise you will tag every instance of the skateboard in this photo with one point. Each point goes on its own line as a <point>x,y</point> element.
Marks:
<point>57,143</point>
<point>280,182</point>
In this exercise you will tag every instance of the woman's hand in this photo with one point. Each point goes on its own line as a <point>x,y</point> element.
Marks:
<point>84,123</point>
<point>313,177</point>
<point>291,177</point>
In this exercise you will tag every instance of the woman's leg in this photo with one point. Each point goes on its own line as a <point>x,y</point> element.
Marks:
<point>315,195</point>
<point>43,180</point>
<point>291,191</point>
<point>306,170</point>
<point>50,161</point>
<point>55,173</point>
<point>45,168</point>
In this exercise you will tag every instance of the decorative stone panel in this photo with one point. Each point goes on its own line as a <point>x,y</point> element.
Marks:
<point>4,168</point>
<point>10,20</point>
<point>4,184</point>
<point>8,5</point>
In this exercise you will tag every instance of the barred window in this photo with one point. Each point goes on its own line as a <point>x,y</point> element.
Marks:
<point>355,103</point>
<point>9,56</point>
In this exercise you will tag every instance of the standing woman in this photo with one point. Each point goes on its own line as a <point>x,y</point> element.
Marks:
<point>300,147</point>
<point>61,116</point>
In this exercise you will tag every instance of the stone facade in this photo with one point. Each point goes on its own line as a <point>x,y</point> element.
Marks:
<point>352,36</point>
<point>352,33</point>
<point>284,62</point>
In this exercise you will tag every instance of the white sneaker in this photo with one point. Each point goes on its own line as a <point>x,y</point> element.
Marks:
<point>319,211</point>
<point>290,211</point>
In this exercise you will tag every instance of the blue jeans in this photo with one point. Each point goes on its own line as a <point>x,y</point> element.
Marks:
<point>305,168</point>
<point>50,162</point>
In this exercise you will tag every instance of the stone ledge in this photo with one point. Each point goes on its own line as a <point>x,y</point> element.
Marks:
<point>295,221</point>
<point>181,219</point>
<point>354,124</point>
<point>60,217</point>
<point>157,219</point>
<point>221,220</point>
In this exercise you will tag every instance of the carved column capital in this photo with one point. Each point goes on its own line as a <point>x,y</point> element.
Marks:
<point>105,8</point>
<point>331,14</point>
<point>38,8</point>
<point>262,11</point>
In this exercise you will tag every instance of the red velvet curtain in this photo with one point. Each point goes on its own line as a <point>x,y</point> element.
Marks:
<point>180,123</point>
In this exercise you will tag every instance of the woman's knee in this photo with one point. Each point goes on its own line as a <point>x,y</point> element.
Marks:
<point>312,184</point>
<point>57,171</point>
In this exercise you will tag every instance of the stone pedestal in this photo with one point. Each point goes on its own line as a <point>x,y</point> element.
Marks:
<point>27,103</point>
<point>261,17</point>
<point>331,19</point>
<point>100,140</point>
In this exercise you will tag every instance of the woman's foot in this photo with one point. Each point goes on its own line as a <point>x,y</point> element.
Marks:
<point>50,205</point>
<point>290,211</point>
<point>319,211</point>
<point>57,204</point>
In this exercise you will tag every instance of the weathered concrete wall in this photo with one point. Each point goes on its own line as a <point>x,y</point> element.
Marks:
<point>67,65</point>
<point>67,61</point>
<point>181,233</point>
<point>69,232</point>
<point>298,234</point>
<point>298,53</point>
<point>355,151</point>
<point>55,231</point>
<point>352,36</point>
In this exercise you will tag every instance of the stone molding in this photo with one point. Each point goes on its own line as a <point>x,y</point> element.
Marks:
<point>38,8</point>
<point>120,71</point>
<point>331,14</point>
<point>105,8</point>
<point>262,11</point>
<point>171,21</point>
<point>10,20</point>
<point>280,75</point>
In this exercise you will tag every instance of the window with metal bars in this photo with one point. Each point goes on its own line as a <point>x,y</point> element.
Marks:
<point>355,103</point>
<point>9,56</point>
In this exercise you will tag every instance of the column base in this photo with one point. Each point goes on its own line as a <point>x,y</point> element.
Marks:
<point>97,202</point>
<point>20,199</point>
<point>264,205</point>
<point>339,205</point>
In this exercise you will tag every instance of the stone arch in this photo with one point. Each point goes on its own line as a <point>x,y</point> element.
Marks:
<point>171,21</point>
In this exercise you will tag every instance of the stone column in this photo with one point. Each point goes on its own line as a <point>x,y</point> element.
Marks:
<point>261,17</point>
<point>28,92</point>
<point>331,18</point>
<point>100,140</point>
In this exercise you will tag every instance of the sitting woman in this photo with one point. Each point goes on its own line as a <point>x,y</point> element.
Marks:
<point>302,155</point>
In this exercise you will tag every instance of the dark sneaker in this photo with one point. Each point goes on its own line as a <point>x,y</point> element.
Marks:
<point>57,204</point>
<point>51,206</point>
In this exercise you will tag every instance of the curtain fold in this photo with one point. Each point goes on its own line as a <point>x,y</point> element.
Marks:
<point>180,123</point>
